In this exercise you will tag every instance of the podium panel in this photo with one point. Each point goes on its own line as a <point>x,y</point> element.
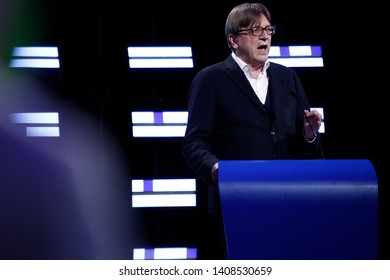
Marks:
<point>300,209</point>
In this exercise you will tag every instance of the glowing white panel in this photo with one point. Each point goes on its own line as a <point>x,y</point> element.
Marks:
<point>159,131</point>
<point>299,62</point>
<point>34,63</point>
<point>35,57</point>
<point>175,117</point>
<point>163,185</point>
<point>35,51</point>
<point>142,117</point>
<point>164,253</point>
<point>39,117</point>
<point>300,50</point>
<point>163,200</point>
<point>139,254</point>
<point>160,57</point>
<point>159,51</point>
<point>274,51</point>
<point>174,185</point>
<point>161,63</point>
<point>170,253</point>
<point>322,128</point>
<point>137,185</point>
<point>39,131</point>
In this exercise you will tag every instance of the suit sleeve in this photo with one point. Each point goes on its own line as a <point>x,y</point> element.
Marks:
<point>306,149</point>
<point>197,143</point>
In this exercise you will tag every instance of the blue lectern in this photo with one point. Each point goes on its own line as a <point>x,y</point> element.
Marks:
<point>300,209</point>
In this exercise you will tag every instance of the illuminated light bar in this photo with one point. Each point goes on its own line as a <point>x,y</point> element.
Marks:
<point>161,63</point>
<point>159,131</point>
<point>34,63</point>
<point>43,131</point>
<point>164,193</point>
<point>35,57</point>
<point>143,117</point>
<point>159,124</point>
<point>299,62</point>
<point>297,56</point>
<point>35,51</point>
<point>160,57</point>
<point>48,119</point>
<point>163,200</point>
<point>165,253</point>
<point>159,51</point>
<point>160,185</point>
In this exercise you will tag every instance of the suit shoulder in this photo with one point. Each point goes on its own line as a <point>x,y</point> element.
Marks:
<point>211,70</point>
<point>213,67</point>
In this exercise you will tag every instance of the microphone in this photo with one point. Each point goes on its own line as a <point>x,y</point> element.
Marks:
<point>306,117</point>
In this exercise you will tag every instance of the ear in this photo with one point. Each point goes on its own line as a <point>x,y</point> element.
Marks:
<point>232,41</point>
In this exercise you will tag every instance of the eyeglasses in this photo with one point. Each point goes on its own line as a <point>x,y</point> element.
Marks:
<point>258,31</point>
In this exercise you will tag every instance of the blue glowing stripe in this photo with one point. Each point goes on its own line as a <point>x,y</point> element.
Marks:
<point>297,56</point>
<point>160,57</point>
<point>164,193</point>
<point>35,57</point>
<point>38,124</point>
<point>165,253</point>
<point>159,124</point>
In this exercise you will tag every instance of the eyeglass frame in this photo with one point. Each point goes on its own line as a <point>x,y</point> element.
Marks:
<point>260,28</point>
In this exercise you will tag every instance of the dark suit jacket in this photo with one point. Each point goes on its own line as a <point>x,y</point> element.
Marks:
<point>227,121</point>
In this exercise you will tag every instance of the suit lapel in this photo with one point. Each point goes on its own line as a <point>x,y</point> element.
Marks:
<point>275,89</point>
<point>235,74</point>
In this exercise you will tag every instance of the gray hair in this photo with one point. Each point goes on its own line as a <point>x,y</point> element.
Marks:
<point>244,16</point>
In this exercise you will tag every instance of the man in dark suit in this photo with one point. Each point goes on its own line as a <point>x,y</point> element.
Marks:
<point>246,107</point>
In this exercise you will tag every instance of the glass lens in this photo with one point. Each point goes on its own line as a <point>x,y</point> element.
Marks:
<point>270,30</point>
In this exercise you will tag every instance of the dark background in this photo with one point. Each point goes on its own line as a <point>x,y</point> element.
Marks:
<point>94,88</point>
